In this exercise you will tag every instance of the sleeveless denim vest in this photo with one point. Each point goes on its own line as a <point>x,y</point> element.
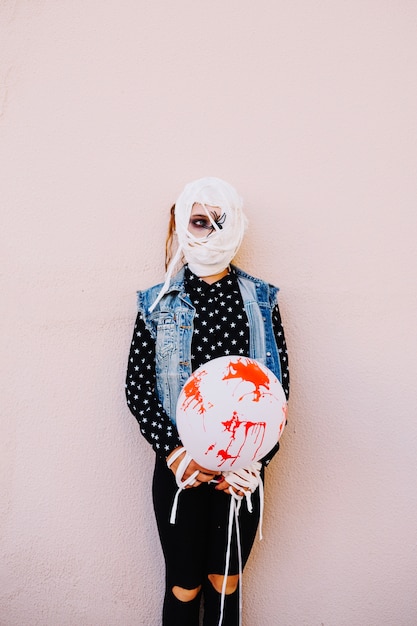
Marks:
<point>171,325</point>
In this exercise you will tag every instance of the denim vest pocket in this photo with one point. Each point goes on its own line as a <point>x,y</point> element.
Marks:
<point>165,334</point>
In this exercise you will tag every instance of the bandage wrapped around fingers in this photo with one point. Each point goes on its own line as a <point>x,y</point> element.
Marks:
<point>182,467</point>
<point>179,475</point>
<point>246,480</point>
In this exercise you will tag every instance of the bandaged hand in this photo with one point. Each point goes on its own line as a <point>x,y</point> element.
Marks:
<point>188,473</point>
<point>242,482</point>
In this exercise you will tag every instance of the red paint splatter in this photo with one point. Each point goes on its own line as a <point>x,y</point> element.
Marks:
<point>235,426</point>
<point>193,395</point>
<point>210,448</point>
<point>251,372</point>
<point>284,421</point>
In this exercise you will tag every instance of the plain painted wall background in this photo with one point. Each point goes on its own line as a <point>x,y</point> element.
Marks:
<point>106,110</point>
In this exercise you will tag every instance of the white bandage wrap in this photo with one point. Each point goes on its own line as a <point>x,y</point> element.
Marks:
<point>247,480</point>
<point>182,484</point>
<point>210,255</point>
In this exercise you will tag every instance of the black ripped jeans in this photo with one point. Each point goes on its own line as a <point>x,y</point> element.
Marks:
<point>195,546</point>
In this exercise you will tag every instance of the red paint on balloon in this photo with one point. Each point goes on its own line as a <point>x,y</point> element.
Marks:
<point>240,428</point>
<point>193,396</point>
<point>250,372</point>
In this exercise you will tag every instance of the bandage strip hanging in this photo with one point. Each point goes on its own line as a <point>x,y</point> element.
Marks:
<point>247,480</point>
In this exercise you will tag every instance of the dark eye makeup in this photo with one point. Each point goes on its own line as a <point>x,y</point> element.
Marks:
<point>202,222</point>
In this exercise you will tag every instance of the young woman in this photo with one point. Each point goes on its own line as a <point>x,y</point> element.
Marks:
<point>209,309</point>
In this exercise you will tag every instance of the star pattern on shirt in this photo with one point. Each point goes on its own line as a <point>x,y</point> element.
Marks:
<point>219,308</point>
<point>141,394</point>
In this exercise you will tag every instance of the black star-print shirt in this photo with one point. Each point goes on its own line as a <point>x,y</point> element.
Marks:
<point>220,328</point>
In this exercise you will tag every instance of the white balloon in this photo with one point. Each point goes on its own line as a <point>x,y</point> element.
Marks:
<point>230,413</point>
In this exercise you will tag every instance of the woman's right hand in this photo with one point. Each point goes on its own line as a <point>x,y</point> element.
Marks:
<point>204,475</point>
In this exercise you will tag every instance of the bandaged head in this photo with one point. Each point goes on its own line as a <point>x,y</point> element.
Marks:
<point>211,253</point>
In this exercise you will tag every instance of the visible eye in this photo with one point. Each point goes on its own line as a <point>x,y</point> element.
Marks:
<point>200,226</point>
<point>201,223</point>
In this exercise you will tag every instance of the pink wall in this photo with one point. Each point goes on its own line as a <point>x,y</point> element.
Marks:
<point>106,110</point>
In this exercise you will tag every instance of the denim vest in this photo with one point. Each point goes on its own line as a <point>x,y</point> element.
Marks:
<point>171,325</point>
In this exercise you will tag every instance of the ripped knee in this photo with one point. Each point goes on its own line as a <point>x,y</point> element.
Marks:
<point>185,595</point>
<point>217,582</point>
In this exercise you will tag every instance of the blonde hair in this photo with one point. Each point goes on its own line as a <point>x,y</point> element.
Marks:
<point>170,237</point>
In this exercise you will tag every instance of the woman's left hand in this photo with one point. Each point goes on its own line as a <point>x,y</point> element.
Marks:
<point>224,486</point>
<point>242,481</point>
